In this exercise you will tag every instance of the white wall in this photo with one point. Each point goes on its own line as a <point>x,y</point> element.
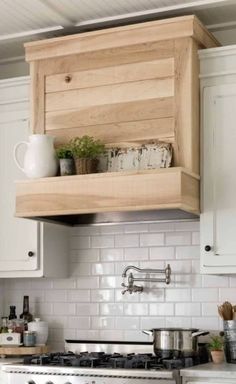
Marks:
<point>89,304</point>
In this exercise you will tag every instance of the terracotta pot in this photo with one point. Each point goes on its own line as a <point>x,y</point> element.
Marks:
<point>217,356</point>
<point>84,166</point>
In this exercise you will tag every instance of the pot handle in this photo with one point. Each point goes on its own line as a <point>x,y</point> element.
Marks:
<point>150,333</point>
<point>200,333</point>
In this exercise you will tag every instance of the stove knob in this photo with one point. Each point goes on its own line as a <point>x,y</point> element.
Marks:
<point>31,382</point>
<point>49,382</point>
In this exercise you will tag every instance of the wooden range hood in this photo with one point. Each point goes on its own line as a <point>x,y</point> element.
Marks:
<point>124,85</point>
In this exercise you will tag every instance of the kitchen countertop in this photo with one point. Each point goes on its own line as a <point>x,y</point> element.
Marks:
<point>223,370</point>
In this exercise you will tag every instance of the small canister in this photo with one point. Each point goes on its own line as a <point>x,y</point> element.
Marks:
<point>29,339</point>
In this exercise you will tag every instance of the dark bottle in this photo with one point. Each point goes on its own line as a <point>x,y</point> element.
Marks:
<point>26,315</point>
<point>12,315</point>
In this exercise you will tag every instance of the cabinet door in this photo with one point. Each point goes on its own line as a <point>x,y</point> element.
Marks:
<point>218,218</point>
<point>17,236</point>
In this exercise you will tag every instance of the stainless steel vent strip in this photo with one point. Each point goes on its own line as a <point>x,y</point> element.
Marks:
<point>85,375</point>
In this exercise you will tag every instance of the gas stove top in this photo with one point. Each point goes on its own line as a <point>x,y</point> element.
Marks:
<point>99,363</point>
<point>103,360</point>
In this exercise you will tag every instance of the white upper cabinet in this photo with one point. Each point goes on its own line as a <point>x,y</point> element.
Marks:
<point>27,248</point>
<point>218,174</point>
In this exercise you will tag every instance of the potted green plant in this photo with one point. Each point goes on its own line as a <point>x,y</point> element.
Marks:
<point>66,161</point>
<point>216,347</point>
<point>86,151</point>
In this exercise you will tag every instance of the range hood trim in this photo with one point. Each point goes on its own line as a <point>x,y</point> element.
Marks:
<point>57,199</point>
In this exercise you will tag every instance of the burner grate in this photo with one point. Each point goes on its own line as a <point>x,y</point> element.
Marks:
<point>103,360</point>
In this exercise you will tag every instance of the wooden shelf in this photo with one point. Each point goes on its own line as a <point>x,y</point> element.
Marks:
<point>172,188</point>
<point>18,351</point>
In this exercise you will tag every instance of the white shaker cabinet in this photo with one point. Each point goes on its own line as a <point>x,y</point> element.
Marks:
<point>218,173</point>
<point>27,248</point>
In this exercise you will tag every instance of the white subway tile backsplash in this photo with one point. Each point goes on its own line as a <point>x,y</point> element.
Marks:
<point>179,322</point>
<point>136,228</point>
<point>206,323</point>
<point>151,239</point>
<point>187,225</point>
<point>63,284</point>
<point>102,295</point>
<point>136,254</point>
<point>135,309</point>
<point>187,309</point>
<point>162,227</point>
<point>126,297</point>
<point>78,295</point>
<point>87,334</point>
<point>103,268</point>
<point>87,309</point>
<point>205,295</point>
<point>178,295</point>
<point>111,335</point>
<point>215,281</point>
<point>228,294</point>
<point>80,242</point>
<point>79,269</point>
<point>112,229</point>
<point>112,309</point>
<point>90,305</point>
<point>187,252</point>
<point>65,309</point>
<point>150,294</point>
<point>85,231</point>
<point>110,281</point>
<point>162,253</point>
<point>103,241</point>
<point>84,255</point>
<point>112,254</point>
<point>178,238</point>
<point>126,241</point>
<point>196,238</point>
<point>79,322</point>
<point>152,322</point>
<point>161,309</point>
<point>126,322</point>
<point>103,322</point>
<point>87,282</point>
<point>181,266</point>
<point>55,296</point>
<point>209,309</point>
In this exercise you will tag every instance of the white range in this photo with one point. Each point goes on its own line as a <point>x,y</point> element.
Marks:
<point>64,369</point>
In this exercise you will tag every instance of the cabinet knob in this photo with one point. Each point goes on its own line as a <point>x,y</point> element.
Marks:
<point>30,253</point>
<point>68,78</point>
<point>207,248</point>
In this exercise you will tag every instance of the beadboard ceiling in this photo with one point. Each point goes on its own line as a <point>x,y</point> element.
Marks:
<point>27,20</point>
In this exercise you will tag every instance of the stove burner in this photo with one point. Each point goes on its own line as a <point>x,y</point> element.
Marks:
<point>115,361</point>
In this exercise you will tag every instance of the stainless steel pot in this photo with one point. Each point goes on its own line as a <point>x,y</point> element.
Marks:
<point>175,339</point>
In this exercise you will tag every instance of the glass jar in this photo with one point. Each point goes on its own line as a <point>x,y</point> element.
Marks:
<point>29,339</point>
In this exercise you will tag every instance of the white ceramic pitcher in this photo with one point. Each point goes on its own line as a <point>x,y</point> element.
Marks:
<point>40,158</point>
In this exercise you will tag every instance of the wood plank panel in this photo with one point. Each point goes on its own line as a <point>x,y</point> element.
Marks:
<point>118,191</point>
<point>37,111</point>
<point>110,75</point>
<point>113,113</point>
<point>110,38</point>
<point>133,131</point>
<point>110,94</point>
<point>186,147</point>
<point>108,57</point>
